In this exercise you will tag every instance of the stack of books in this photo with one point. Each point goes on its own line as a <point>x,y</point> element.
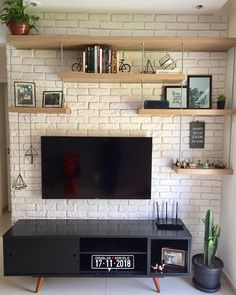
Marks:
<point>100,60</point>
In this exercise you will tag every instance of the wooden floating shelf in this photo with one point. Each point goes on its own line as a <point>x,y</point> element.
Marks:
<point>202,171</point>
<point>186,112</point>
<point>123,43</point>
<point>39,110</point>
<point>121,77</point>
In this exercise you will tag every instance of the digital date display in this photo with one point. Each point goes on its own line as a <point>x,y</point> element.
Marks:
<point>112,262</point>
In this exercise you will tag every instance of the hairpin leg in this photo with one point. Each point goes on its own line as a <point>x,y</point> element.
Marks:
<point>157,284</point>
<point>39,284</point>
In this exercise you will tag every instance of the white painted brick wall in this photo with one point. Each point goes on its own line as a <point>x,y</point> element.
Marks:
<point>110,109</point>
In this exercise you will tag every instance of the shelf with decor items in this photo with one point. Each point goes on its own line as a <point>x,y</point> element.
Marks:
<point>121,77</point>
<point>39,110</point>
<point>186,112</point>
<point>202,171</point>
<point>123,43</point>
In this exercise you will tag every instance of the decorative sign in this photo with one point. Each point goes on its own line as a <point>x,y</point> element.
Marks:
<point>112,262</point>
<point>197,135</point>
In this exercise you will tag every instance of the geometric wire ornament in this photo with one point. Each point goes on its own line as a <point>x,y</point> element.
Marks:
<point>19,183</point>
<point>31,153</point>
<point>149,68</point>
<point>167,62</point>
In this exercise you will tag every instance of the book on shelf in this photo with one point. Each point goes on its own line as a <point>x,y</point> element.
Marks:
<point>113,61</point>
<point>92,69</point>
<point>84,62</point>
<point>100,60</point>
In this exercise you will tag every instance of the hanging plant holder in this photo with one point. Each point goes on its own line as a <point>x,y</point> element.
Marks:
<point>31,154</point>
<point>19,183</point>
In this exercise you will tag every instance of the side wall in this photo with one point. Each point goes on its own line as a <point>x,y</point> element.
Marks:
<point>3,149</point>
<point>3,30</point>
<point>111,110</point>
<point>3,65</point>
<point>228,238</point>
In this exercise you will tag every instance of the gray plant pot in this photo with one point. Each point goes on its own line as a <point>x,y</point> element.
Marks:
<point>207,279</point>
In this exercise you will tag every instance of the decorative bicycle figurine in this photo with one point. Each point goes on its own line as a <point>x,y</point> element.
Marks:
<point>77,66</point>
<point>123,66</point>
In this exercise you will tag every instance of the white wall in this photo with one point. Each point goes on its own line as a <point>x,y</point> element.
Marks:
<point>111,109</point>
<point>232,19</point>
<point>3,30</point>
<point>228,220</point>
<point>3,150</point>
<point>3,65</point>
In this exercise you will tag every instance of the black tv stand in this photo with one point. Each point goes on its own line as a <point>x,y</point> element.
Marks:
<point>96,248</point>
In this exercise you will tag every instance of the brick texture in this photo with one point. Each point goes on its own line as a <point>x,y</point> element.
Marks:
<point>110,109</point>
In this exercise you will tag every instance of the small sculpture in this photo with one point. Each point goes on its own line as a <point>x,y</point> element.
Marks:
<point>167,62</point>
<point>77,66</point>
<point>178,163</point>
<point>147,70</point>
<point>124,67</point>
<point>159,267</point>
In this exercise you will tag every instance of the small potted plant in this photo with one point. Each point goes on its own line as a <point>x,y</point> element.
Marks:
<point>221,101</point>
<point>207,267</point>
<point>14,16</point>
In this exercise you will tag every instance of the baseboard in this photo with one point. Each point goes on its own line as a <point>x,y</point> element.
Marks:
<point>229,282</point>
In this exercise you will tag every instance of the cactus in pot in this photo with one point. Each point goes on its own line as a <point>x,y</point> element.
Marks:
<point>212,233</point>
<point>207,268</point>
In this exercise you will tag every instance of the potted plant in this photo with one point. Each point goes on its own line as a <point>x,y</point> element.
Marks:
<point>207,267</point>
<point>14,16</point>
<point>221,101</point>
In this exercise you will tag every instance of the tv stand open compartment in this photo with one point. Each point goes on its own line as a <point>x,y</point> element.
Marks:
<point>137,247</point>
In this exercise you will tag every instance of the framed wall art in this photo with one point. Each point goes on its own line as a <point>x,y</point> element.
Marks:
<point>174,257</point>
<point>52,99</point>
<point>177,96</point>
<point>199,92</point>
<point>24,94</point>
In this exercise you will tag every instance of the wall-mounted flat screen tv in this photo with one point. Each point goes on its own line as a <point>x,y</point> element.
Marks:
<point>96,167</point>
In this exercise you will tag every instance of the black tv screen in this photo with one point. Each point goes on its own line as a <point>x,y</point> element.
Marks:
<point>96,167</point>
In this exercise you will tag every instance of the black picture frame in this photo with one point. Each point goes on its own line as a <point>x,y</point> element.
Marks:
<point>199,91</point>
<point>24,94</point>
<point>177,96</point>
<point>52,99</point>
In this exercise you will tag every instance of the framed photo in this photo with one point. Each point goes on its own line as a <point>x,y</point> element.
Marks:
<point>24,94</point>
<point>199,92</point>
<point>52,99</point>
<point>177,96</point>
<point>174,257</point>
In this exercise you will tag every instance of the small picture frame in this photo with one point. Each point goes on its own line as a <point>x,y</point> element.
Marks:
<point>199,91</point>
<point>177,96</point>
<point>173,257</point>
<point>24,93</point>
<point>52,99</point>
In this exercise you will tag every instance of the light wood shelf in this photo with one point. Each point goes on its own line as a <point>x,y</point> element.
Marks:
<point>123,43</point>
<point>121,77</point>
<point>203,171</point>
<point>186,112</point>
<point>39,110</point>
